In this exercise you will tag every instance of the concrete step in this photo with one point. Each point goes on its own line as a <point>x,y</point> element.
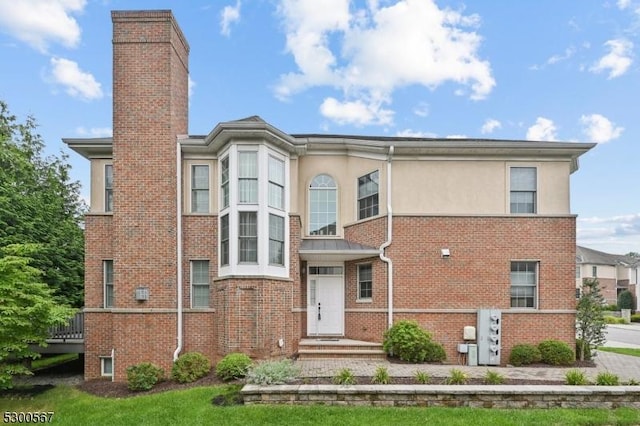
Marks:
<point>341,353</point>
<point>339,348</point>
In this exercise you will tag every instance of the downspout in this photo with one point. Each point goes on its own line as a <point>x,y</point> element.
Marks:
<point>179,248</point>
<point>387,243</point>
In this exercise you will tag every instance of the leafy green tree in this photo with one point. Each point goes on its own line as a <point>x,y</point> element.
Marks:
<point>633,254</point>
<point>27,310</point>
<point>590,324</point>
<point>39,204</point>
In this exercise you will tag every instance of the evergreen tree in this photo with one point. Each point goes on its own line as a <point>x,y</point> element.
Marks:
<point>39,204</point>
<point>590,324</point>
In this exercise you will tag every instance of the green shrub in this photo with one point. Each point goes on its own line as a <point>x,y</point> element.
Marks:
<point>190,366</point>
<point>493,378</point>
<point>555,352</point>
<point>613,320</point>
<point>633,382</point>
<point>588,351</point>
<point>606,378</point>
<point>524,354</point>
<point>344,377</point>
<point>458,377</point>
<point>610,308</point>
<point>381,377</point>
<point>407,341</point>
<point>272,372</point>
<point>143,376</point>
<point>635,318</point>
<point>233,366</point>
<point>422,377</point>
<point>625,300</point>
<point>576,378</point>
<point>434,352</point>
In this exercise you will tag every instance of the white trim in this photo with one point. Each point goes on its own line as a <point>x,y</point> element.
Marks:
<point>104,284</point>
<point>307,230</point>
<point>358,298</point>
<point>103,362</point>
<point>511,165</point>
<point>189,185</point>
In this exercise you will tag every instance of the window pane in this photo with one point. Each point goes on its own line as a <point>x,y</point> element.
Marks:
<point>523,202</point>
<point>322,206</point>
<point>276,239</point>
<point>108,188</point>
<point>224,182</point>
<point>248,190</point>
<point>365,283</point>
<point>200,177</point>
<point>248,165</point>
<point>248,237</point>
<point>108,283</point>
<point>200,283</point>
<point>523,178</point>
<point>276,171</point>
<point>224,240</point>
<point>368,195</point>
<point>523,284</point>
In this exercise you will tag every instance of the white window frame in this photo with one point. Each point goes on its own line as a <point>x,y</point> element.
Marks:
<point>359,297</point>
<point>108,188</point>
<point>375,207</point>
<point>536,286</point>
<point>106,284</point>
<point>225,189</point>
<point>103,363</point>
<point>511,191</point>
<point>261,208</point>
<point>276,240</point>
<point>207,190</point>
<point>310,212</point>
<point>194,284</point>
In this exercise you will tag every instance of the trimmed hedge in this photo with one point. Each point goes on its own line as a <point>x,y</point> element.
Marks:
<point>556,352</point>
<point>233,366</point>
<point>524,354</point>
<point>144,376</point>
<point>190,367</point>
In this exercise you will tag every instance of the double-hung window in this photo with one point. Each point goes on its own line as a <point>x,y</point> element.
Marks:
<point>276,183</point>
<point>199,283</point>
<point>523,187</point>
<point>224,240</point>
<point>368,195</point>
<point>365,282</point>
<point>108,188</point>
<point>107,273</point>
<point>200,189</point>
<point>524,283</point>
<point>224,182</point>
<point>276,239</point>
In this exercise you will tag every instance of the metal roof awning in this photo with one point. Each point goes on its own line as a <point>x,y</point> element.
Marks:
<point>335,250</point>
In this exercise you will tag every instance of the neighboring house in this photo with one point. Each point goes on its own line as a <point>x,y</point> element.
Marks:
<point>615,272</point>
<point>250,239</point>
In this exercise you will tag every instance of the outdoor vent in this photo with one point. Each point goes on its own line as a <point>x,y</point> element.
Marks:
<point>142,293</point>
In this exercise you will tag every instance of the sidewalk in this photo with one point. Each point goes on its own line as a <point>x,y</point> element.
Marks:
<point>626,367</point>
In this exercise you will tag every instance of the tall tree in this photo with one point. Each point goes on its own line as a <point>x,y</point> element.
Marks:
<point>27,310</point>
<point>590,324</point>
<point>39,204</point>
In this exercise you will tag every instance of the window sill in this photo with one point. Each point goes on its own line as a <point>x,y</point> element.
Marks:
<point>364,300</point>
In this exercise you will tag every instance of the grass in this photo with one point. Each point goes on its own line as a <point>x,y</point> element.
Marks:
<point>50,361</point>
<point>621,351</point>
<point>193,406</point>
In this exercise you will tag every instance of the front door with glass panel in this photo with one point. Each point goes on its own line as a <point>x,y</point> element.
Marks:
<point>325,301</point>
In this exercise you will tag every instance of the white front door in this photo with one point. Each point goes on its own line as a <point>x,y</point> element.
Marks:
<point>325,305</point>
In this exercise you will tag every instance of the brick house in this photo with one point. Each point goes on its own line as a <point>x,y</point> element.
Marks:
<point>251,239</point>
<point>615,272</point>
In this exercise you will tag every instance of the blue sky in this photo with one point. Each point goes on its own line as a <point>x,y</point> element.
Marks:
<point>543,70</point>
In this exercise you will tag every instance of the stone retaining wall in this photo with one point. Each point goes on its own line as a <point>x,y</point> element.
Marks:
<point>501,396</point>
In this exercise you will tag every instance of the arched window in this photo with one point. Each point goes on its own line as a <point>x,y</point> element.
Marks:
<point>323,205</point>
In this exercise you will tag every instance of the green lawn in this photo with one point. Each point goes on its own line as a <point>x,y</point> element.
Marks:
<point>622,351</point>
<point>50,361</point>
<point>193,406</point>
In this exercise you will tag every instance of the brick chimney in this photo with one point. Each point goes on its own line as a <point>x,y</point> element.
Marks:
<point>150,98</point>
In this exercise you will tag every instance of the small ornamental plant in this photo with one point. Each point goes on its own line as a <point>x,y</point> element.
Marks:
<point>381,376</point>
<point>422,377</point>
<point>190,367</point>
<point>345,377</point>
<point>272,372</point>
<point>606,378</point>
<point>143,376</point>
<point>233,366</point>
<point>576,378</point>
<point>457,377</point>
<point>493,378</point>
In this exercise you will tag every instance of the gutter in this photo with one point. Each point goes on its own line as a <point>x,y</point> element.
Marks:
<point>387,243</point>
<point>176,353</point>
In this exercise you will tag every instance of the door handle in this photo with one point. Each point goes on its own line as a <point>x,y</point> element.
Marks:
<point>319,314</point>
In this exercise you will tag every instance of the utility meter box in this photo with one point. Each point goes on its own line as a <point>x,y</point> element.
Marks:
<point>463,348</point>
<point>472,355</point>
<point>469,333</point>
<point>489,336</point>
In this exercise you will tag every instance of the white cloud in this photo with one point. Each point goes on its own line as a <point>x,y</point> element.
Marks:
<point>617,61</point>
<point>77,83</point>
<point>490,125</point>
<point>95,132</point>
<point>422,109</point>
<point>355,112</point>
<point>456,136</point>
<point>369,53</point>
<point>599,129</point>
<point>228,16</point>
<point>623,4</point>
<point>543,130</point>
<point>408,133</point>
<point>191,85</point>
<point>616,234</point>
<point>568,53</point>
<point>42,22</point>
